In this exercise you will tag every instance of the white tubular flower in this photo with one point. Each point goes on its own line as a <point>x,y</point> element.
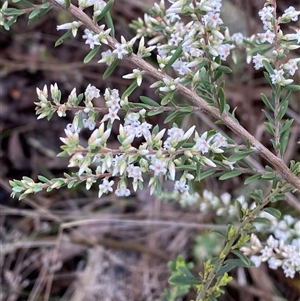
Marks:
<point>144,51</point>
<point>73,25</point>
<point>172,170</point>
<point>290,14</point>
<point>169,84</point>
<point>229,164</point>
<point>278,78</point>
<point>98,7</point>
<point>137,74</point>
<point>208,162</point>
<point>294,36</point>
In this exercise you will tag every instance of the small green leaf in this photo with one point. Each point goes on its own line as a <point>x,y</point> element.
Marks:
<point>269,117</point>
<point>174,57</point>
<point>230,174</point>
<point>107,7</point>
<point>276,213</point>
<point>138,105</point>
<point>187,167</point>
<point>224,69</point>
<point>239,209</point>
<point>217,75</point>
<point>171,117</point>
<point>292,87</point>
<point>286,126</point>
<point>148,101</point>
<point>269,128</point>
<point>222,101</point>
<point>183,280</point>
<point>43,179</point>
<point>63,38</point>
<point>284,140</point>
<point>267,102</point>
<point>110,24</point>
<point>286,96</point>
<point>37,14</point>
<point>229,265</point>
<point>130,89</point>
<point>67,4</point>
<point>219,233</point>
<point>155,130</point>
<point>206,174</point>
<point>185,271</point>
<point>208,99</point>
<point>91,54</point>
<point>268,66</point>
<point>262,220</point>
<point>241,256</point>
<point>277,92</point>
<point>268,79</point>
<point>110,69</point>
<point>155,111</point>
<point>14,12</point>
<point>252,179</point>
<point>268,176</point>
<point>282,110</point>
<point>240,155</point>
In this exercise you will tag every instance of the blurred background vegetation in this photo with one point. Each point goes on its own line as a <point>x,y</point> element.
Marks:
<point>112,248</point>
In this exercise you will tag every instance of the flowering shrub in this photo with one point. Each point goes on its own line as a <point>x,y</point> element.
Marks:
<point>188,39</point>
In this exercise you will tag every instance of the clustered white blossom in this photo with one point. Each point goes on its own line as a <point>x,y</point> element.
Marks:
<point>282,248</point>
<point>280,75</point>
<point>156,156</point>
<point>200,38</point>
<point>277,253</point>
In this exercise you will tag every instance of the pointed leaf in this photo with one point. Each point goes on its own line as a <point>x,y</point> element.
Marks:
<point>252,179</point>
<point>183,280</point>
<point>240,155</point>
<point>155,112</point>
<point>63,38</point>
<point>110,69</point>
<point>267,102</point>
<point>276,213</point>
<point>91,54</point>
<point>174,57</point>
<point>110,24</point>
<point>148,101</point>
<point>130,89</point>
<point>230,174</point>
<point>107,7</point>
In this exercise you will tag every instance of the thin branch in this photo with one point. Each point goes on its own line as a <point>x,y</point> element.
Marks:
<point>276,162</point>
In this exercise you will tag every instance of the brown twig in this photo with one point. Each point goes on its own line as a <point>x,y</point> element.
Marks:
<point>276,162</point>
